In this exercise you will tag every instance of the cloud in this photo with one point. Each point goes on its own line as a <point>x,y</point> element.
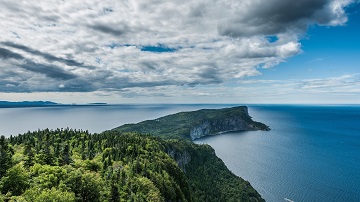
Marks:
<point>316,60</point>
<point>6,54</point>
<point>348,83</point>
<point>108,30</point>
<point>47,56</point>
<point>109,46</point>
<point>344,83</point>
<point>274,17</point>
<point>49,71</point>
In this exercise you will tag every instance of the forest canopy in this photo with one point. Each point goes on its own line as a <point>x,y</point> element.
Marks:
<point>74,165</point>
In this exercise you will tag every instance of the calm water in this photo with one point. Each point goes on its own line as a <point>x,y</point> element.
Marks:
<point>312,153</point>
<point>93,118</point>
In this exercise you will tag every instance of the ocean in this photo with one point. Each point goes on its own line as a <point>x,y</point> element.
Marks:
<point>312,153</point>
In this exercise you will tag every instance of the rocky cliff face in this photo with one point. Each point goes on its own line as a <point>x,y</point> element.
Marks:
<point>230,124</point>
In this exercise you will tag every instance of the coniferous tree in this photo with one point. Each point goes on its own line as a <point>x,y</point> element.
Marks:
<point>65,156</point>
<point>5,156</point>
<point>115,195</point>
<point>29,155</point>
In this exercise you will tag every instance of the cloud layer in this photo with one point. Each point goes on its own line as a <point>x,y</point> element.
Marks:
<point>111,46</point>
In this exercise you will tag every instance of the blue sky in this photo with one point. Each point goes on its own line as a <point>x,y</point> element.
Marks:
<point>198,51</point>
<point>327,52</point>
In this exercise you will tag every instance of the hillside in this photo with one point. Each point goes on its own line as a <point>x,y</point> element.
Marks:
<point>196,124</point>
<point>71,165</point>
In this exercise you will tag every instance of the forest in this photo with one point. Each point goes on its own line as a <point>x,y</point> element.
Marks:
<point>74,165</point>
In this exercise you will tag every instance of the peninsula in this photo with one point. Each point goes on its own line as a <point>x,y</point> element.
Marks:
<point>196,124</point>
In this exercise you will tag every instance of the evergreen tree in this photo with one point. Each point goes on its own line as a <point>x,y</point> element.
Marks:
<point>5,156</point>
<point>65,155</point>
<point>29,155</point>
<point>115,195</point>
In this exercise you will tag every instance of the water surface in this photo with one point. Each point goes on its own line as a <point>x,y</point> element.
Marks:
<point>312,153</point>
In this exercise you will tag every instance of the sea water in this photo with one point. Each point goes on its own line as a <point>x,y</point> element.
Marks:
<point>312,153</point>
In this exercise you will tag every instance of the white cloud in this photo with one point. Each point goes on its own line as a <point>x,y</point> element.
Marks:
<point>89,46</point>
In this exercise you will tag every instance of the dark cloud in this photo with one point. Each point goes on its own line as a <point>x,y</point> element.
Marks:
<point>276,17</point>
<point>210,75</point>
<point>125,82</point>
<point>285,12</point>
<point>149,64</point>
<point>151,84</point>
<point>7,54</point>
<point>48,70</point>
<point>9,80</point>
<point>47,56</point>
<point>51,71</point>
<point>77,85</point>
<point>109,29</point>
<point>12,81</point>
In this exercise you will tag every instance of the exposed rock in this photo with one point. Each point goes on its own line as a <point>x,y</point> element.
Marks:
<point>218,126</point>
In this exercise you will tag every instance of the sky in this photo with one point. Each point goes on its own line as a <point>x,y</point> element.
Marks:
<point>195,51</point>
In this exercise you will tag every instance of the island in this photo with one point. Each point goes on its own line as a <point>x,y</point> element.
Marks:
<point>121,165</point>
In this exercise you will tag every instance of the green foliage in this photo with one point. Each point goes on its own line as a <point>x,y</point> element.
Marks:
<point>48,195</point>
<point>146,190</point>
<point>47,176</point>
<point>92,165</point>
<point>2,198</point>
<point>15,181</point>
<point>99,167</point>
<point>87,186</point>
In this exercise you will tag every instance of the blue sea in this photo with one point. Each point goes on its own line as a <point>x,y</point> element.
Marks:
<point>312,153</point>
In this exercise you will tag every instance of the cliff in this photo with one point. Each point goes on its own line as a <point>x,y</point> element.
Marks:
<point>196,124</point>
<point>208,176</point>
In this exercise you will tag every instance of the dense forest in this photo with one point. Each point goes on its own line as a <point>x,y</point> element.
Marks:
<point>74,165</point>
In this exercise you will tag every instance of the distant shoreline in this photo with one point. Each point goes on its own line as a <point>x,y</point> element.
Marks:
<point>25,104</point>
<point>6,104</point>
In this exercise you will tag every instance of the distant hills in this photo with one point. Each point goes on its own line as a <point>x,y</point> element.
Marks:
<point>7,104</point>
<point>27,103</point>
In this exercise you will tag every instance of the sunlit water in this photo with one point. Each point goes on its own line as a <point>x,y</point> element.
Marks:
<point>312,153</point>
